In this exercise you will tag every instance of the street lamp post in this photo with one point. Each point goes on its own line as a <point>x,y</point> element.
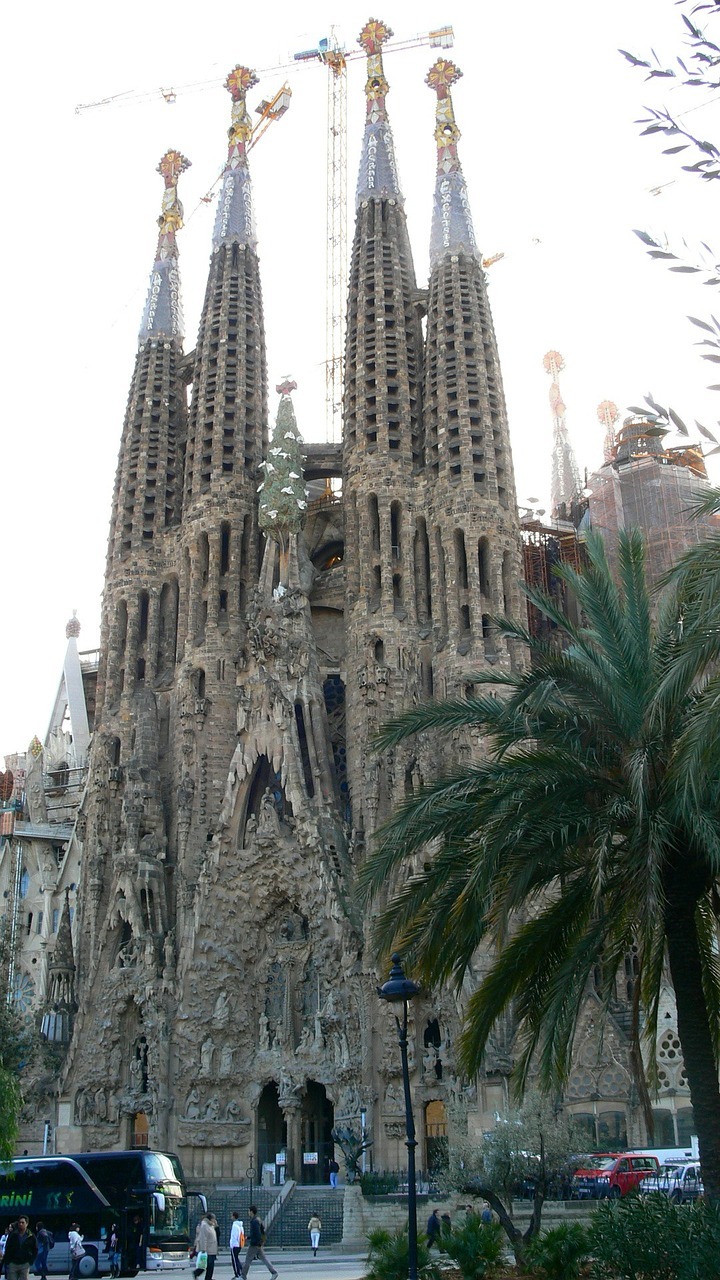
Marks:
<point>250,1174</point>
<point>400,990</point>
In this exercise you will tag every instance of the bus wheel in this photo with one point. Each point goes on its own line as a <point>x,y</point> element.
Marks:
<point>88,1264</point>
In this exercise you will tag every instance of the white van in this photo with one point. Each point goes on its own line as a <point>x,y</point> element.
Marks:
<point>679,1182</point>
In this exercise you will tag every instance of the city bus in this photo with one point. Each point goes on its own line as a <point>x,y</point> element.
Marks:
<point>142,1191</point>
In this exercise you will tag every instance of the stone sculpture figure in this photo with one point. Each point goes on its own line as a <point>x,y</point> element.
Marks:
<point>207,1051</point>
<point>264,1034</point>
<point>212,1110</point>
<point>192,1104</point>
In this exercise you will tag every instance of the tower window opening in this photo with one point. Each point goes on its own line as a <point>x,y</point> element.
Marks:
<point>304,749</point>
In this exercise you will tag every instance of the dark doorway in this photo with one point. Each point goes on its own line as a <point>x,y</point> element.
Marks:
<point>272,1130</point>
<point>316,1121</point>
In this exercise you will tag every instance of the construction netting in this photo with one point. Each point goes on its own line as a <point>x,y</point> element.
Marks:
<point>653,494</point>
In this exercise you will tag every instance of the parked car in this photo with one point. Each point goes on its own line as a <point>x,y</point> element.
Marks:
<point>612,1175</point>
<point>680,1182</point>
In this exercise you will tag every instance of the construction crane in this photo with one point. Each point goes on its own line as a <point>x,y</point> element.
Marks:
<point>331,54</point>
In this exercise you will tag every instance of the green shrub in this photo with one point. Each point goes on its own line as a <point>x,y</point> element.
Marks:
<point>649,1238</point>
<point>559,1253</point>
<point>388,1257</point>
<point>476,1246</point>
<point>379,1184</point>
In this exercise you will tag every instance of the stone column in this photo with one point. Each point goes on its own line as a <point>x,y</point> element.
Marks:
<point>213,577</point>
<point>291,1116</point>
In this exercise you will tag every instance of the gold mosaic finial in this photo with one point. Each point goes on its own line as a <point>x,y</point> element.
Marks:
<point>374,35</point>
<point>239,80</point>
<point>285,387</point>
<point>440,77</point>
<point>170,167</point>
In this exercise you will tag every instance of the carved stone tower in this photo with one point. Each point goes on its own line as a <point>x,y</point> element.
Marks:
<point>382,449</point>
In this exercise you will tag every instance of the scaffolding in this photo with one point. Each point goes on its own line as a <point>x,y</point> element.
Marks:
<point>646,486</point>
<point>547,547</point>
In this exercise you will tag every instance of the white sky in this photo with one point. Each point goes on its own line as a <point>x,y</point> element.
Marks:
<point>557,175</point>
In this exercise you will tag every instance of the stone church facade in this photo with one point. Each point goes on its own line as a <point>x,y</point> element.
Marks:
<point>267,607</point>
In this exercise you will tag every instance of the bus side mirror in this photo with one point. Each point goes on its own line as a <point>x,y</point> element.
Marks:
<point>159,1198</point>
<point>203,1201</point>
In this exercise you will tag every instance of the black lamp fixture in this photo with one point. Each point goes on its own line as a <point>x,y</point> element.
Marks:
<point>401,990</point>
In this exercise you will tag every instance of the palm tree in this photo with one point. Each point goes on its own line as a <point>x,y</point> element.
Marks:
<point>591,824</point>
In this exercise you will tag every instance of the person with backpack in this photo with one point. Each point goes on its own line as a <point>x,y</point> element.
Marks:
<point>256,1240</point>
<point>45,1242</point>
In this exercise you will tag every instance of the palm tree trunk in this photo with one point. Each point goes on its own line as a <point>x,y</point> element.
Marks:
<point>693,1023</point>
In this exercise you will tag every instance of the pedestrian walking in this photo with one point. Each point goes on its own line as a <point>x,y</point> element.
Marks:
<point>256,1240</point>
<point>114,1252</point>
<point>434,1227</point>
<point>334,1169</point>
<point>20,1251</point>
<point>45,1240</point>
<point>314,1227</point>
<point>237,1235</point>
<point>206,1242</point>
<point>77,1251</point>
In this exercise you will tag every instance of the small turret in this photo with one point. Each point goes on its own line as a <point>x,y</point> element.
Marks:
<point>57,1019</point>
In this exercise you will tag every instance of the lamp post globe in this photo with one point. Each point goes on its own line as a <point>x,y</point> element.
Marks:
<point>400,990</point>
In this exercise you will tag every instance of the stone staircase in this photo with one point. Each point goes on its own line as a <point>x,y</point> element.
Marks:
<point>288,1230</point>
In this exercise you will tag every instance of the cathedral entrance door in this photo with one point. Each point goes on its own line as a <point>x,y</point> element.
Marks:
<point>272,1130</point>
<point>316,1124</point>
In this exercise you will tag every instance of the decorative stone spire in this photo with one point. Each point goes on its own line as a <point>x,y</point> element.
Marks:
<point>282,492</point>
<point>162,317</point>
<point>234,221</point>
<point>378,175</point>
<point>565,481</point>
<point>452,229</point>
<point>72,630</point>
<point>57,1019</point>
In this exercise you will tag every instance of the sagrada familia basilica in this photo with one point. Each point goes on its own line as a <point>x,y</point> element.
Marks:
<point>268,605</point>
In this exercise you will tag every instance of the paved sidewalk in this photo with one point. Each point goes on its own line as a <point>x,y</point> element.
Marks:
<point>328,1265</point>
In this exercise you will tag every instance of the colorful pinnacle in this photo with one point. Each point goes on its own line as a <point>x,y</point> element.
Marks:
<point>372,38</point>
<point>170,167</point>
<point>378,172</point>
<point>440,77</point>
<point>452,229</point>
<point>239,80</point>
<point>162,317</point>
<point>235,222</point>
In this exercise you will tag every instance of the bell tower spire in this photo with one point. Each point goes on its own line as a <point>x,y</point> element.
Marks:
<point>474,546</point>
<point>382,444</point>
<point>228,416</point>
<point>147,494</point>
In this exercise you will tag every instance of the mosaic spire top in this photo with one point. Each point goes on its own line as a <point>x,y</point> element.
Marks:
<point>162,317</point>
<point>235,221</point>
<point>452,229</point>
<point>378,177</point>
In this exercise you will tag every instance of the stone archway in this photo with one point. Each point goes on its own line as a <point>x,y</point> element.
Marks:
<point>271,1129</point>
<point>317,1117</point>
